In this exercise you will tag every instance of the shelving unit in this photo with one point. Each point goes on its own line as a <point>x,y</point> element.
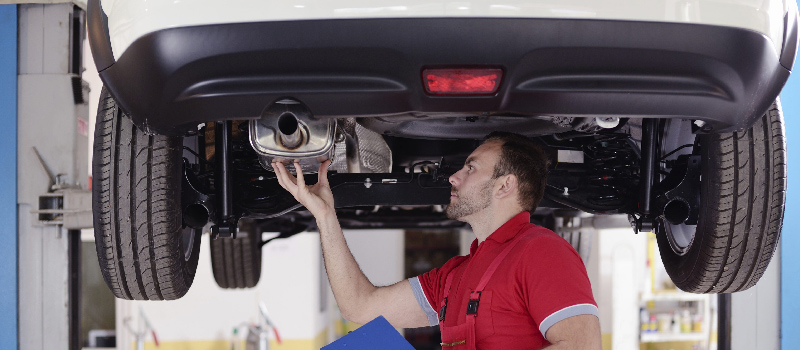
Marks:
<point>665,337</point>
<point>703,307</point>
<point>675,296</point>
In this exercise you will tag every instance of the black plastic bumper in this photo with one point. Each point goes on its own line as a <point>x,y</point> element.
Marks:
<point>171,80</point>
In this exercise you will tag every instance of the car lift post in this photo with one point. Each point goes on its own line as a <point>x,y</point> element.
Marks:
<point>53,197</point>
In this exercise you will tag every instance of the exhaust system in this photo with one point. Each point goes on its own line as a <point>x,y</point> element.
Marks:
<point>287,131</point>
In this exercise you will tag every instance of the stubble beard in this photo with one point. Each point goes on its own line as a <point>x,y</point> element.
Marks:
<point>469,204</point>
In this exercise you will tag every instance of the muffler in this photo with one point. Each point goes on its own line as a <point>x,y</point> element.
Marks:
<point>287,131</point>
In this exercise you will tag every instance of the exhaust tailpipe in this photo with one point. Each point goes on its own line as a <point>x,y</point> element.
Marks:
<point>289,131</point>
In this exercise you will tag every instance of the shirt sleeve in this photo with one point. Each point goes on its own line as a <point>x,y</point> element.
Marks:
<point>423,302</point>
<point>429,288</point>
<point>556,285</point>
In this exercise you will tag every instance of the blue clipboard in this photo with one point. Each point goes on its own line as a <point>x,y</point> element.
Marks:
<point>377,334</point>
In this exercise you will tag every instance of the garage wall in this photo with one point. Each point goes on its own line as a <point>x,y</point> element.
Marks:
<point>294,286</point>
<point>380,253</point>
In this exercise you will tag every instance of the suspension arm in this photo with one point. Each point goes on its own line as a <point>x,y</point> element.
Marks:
<point>351,190</point>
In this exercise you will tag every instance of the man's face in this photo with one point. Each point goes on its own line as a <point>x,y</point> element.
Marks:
<point>473,185</point>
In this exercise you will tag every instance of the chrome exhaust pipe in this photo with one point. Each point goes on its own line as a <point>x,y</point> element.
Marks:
<point>287,131</point>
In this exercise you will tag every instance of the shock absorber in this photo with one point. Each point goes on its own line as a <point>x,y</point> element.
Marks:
<point>647,176</point>
<point>226,222</point>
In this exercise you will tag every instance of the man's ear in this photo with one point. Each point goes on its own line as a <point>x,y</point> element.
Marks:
<point>506,186</point>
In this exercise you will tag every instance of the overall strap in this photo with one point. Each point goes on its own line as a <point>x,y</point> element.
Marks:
<point>443,304</point>
<point>496,262</point>
<point>475,296</point>
<point>449,282</point>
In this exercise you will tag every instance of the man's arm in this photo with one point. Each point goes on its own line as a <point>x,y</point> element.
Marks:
<point>359,300</point>
<point>576,332</point>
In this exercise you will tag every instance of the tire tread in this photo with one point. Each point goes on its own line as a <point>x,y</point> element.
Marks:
<point>136,202</point>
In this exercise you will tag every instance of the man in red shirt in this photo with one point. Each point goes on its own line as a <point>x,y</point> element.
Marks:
<point>521,286</point>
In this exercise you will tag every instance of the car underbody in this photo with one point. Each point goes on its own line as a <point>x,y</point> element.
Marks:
<point>598,171</point>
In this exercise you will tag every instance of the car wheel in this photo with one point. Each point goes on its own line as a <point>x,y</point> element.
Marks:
<point>236,262</point>
<point>742,198</point>
<point>144,250</point>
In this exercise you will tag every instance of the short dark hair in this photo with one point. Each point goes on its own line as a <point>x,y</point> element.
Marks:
<point>525,159</point>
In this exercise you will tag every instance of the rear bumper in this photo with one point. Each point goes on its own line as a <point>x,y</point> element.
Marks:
<point>173,79</point>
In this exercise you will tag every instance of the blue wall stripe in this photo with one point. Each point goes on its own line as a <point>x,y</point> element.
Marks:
<point>790,240</point>
<point>8,178</point>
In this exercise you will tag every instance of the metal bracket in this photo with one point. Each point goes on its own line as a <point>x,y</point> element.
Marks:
<point>641,223</point>
<point>198,207</point>
<point>70,208</point>
<point>676,199</point>
<point>269,200</point>
<point>678,195</point>
<point>351,190</point>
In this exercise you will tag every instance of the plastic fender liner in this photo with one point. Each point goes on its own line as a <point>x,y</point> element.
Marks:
<point>789,50</point>
<point>99,39</point>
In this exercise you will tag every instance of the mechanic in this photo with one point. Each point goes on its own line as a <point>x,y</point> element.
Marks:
<point>521,287</point>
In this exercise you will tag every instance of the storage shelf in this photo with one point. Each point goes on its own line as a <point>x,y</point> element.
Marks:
<point>665,337</point>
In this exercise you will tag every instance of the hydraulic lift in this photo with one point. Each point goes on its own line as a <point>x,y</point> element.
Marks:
<point>52,189</point>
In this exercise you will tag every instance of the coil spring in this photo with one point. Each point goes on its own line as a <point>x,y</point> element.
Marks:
<point>613,166</point>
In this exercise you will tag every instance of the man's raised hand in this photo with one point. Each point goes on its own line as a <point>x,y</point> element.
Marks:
<point>317,198</point>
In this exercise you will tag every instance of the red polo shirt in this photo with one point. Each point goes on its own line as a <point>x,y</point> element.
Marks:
<point>542,281</point>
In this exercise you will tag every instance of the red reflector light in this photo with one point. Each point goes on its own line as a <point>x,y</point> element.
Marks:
<point>462,81</point>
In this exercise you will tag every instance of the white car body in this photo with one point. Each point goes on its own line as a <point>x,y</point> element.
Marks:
<point>129,20</point>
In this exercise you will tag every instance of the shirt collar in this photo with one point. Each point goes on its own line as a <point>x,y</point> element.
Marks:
<point>507,231</point>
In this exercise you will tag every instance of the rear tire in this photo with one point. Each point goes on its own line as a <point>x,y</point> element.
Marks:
<point>145,252</point>
<point>236,262</point>
<point>743,193</point>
